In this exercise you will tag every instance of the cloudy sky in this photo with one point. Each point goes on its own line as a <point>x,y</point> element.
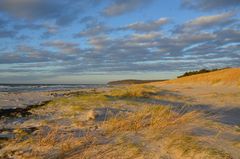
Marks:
<point>95,41</point>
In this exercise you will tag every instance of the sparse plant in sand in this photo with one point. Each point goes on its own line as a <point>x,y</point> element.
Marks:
<point>170,128</point>
<point>155,117</point>
<point>190,147</point>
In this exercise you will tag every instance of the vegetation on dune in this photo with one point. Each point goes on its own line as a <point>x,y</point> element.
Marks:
<point>135,129</point>
<point>167,127</point>
<point>133,91</point>
<point>151,117</point>
<point>133,81</point>
<point>190,73</point>
<point>190,146</point>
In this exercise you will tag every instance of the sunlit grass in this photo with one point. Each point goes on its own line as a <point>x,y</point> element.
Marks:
<point>64,132</point>
<point>189,146</point>
<point>155,117</point>
<point>133,91</point>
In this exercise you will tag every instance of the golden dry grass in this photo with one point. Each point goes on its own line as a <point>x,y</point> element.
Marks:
<point>191,147</point>
<point>170,129</point>
<point>154,117</point>
<point>132,91</point>
<point>145,131</point>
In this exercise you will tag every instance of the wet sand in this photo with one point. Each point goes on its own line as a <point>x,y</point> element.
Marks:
<point>22,100</point>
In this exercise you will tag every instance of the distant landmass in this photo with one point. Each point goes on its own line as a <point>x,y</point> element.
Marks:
<point>133,81</point>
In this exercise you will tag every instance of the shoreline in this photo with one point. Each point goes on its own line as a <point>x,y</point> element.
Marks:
<point>21,112</point>
<point>122,116</point>
<point>14,100</point>
<point>21,108</point>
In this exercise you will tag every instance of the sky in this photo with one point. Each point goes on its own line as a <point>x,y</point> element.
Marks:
<point>96,41</point>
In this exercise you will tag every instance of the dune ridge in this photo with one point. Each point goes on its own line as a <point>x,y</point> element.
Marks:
<point>229,76</point>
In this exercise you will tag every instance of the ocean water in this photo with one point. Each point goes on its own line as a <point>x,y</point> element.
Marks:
<point>44,87</point>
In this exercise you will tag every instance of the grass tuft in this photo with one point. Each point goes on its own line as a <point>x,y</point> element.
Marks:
<point>133,91</point>
<point>155,117</point>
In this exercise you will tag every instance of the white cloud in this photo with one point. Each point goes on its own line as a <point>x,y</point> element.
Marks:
<point>148,26</point>
<point>119,7</point>
<point>206,22</point>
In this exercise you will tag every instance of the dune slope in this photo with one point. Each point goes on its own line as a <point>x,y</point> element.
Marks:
<point>230,76</point>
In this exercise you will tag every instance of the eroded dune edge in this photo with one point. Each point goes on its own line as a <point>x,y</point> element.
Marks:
<point>192,117</point>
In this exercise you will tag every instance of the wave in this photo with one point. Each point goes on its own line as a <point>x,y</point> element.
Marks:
<point>43,87</point>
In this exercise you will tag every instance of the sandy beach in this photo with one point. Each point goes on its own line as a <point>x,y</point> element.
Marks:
<point>119,79</point>
<point>156,120</point>
<point>22,100</point>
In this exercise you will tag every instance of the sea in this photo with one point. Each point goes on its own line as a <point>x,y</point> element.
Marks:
<point>45,87</point>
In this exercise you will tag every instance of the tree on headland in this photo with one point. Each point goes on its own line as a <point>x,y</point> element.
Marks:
<point>190,73</point>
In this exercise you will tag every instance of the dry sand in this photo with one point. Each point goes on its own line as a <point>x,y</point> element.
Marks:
<point>217,91</point>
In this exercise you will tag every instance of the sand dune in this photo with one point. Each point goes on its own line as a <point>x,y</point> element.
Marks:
<point>230,76</point>
<point>218,89</point>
